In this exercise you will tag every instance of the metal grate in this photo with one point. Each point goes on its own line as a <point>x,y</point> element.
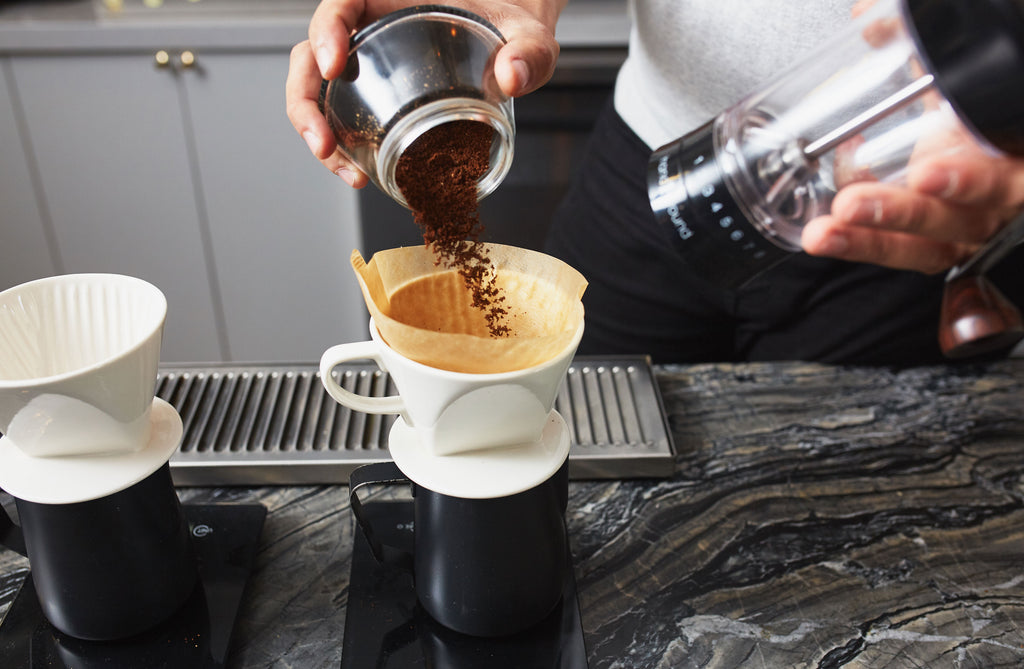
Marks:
<point>275,424</point>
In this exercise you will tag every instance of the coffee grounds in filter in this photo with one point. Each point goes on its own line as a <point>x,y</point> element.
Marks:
<point>438,177</point>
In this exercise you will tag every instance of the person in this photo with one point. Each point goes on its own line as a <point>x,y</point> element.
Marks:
<point>868,287</point>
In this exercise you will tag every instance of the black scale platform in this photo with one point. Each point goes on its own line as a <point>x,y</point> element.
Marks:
<point>198,636</point>
<point>386,629</point>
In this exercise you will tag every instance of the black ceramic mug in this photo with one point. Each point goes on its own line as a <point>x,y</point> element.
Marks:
<point>485,567</point>
<point>110,567</point>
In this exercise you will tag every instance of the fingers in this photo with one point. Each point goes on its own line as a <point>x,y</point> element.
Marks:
<point>520,72</point>
<point>333,21</point>
<point>972,178</point>
<point>897,209</point>
<point>953,205</point>
<point>302,91</point>
<point>826,236</point>
<point>521,66</point>
<point>321,57</point>
<point>962,199</point>
<point>860,7</point>
<point>339,163</point>
<point>526,62</point>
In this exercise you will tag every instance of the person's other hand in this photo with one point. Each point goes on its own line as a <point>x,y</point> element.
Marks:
<point>949,208</point>
<point>522,65</point>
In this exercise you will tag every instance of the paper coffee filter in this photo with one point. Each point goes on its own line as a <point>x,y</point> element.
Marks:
<point>425,311</point>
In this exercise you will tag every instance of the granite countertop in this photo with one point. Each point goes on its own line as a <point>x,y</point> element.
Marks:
<point>818,517</point>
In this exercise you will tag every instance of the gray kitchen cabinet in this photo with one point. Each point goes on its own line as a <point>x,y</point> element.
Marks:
<point>192,178</point>
<point>282,227</point>
<point>25,251</point>
<point>107,136</point>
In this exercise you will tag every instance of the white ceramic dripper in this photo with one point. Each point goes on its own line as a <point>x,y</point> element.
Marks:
<point>78,361</point>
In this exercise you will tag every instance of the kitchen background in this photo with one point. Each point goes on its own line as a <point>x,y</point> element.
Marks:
<point>149,138</point>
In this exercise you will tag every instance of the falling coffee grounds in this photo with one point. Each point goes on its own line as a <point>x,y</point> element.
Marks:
<point>438,174</point>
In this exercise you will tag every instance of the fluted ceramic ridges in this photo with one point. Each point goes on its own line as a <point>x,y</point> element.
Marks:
<point>55,326</point>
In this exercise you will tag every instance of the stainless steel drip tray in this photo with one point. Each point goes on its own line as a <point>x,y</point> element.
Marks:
<point>275,424</point>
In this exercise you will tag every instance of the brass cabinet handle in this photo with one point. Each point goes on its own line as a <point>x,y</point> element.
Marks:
<point>186,59</point>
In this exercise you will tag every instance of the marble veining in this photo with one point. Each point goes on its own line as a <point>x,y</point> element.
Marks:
<point>819,516</point>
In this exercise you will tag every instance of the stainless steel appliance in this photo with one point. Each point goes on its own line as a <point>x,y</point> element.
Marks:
<point>276,424</point>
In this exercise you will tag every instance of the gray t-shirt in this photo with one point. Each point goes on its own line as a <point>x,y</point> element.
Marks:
<point>690,59</point>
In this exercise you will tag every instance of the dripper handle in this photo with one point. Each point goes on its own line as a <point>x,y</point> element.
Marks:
<point>11,535</point>
<point>361,350</point>
<point>377,473</point>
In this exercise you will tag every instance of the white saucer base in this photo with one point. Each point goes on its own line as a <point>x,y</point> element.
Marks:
<point>80,478</point>
<point>483,474</point>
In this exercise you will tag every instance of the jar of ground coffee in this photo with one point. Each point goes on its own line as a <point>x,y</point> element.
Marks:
<point>417,70</point>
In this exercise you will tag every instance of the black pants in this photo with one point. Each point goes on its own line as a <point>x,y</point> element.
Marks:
<point>643,298</point>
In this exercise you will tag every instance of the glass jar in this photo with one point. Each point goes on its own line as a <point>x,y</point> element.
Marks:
<point>411,71</point>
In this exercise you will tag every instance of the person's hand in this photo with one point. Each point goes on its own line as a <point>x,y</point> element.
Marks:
<point>950,206</point>
<point>521,66</point>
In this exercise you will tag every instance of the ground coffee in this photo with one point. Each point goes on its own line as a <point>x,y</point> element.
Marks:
<point>437,175</point>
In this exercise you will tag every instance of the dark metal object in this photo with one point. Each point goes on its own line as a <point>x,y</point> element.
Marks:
<point>275,424</point>
<point>976,318</point>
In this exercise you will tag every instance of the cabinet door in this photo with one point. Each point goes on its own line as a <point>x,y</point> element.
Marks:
<point>25,253</point>
<point>108,139</point>
<point>282,227</point>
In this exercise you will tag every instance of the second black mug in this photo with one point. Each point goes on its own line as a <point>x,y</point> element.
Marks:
<point>111,567</point>
<point>484,567</point>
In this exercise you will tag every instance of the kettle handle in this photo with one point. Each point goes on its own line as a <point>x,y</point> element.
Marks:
<point>11,535</point>
<point>377,473</point>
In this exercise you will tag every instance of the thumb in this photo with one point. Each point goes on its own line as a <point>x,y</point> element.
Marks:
<point>525,63</point>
